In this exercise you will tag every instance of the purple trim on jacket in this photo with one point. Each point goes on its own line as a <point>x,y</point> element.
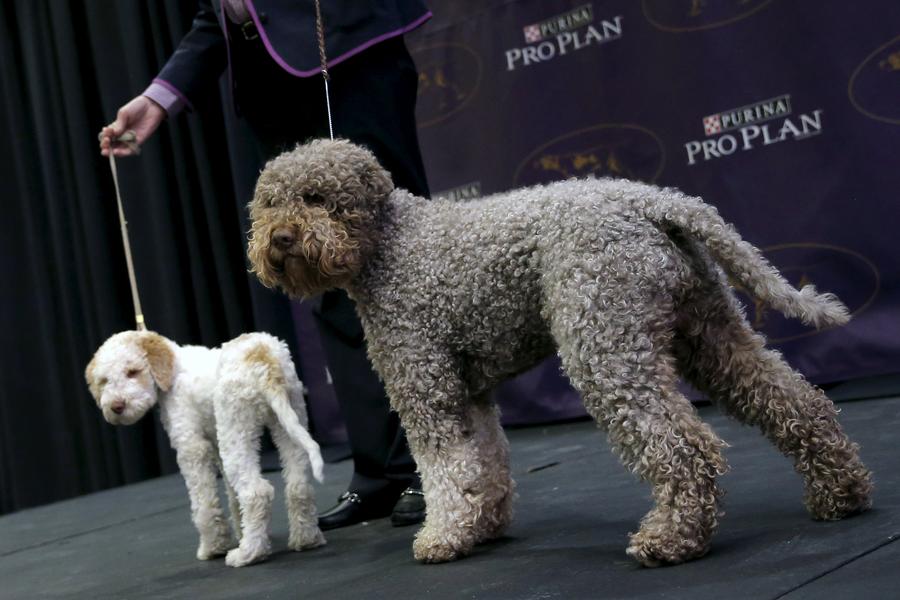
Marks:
<point>284,65</point>
<point>221,18</point>
<point>168,96</point>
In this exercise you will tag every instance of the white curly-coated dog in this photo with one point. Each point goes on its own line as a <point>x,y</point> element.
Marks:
<point>214,403</point>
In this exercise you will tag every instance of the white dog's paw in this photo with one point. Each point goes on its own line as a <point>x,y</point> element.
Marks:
<point>213,548</point>
<point>306,539</point>
<point>247,554</point>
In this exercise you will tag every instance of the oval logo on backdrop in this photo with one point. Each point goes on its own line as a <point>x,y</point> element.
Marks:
<point>607,150</point>
<point>449,77</point>
<point>874,87</point>
<point>695,15</point>
<point>844,272</point>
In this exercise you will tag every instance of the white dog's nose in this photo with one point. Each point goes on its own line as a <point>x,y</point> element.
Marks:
<point>117,407</point>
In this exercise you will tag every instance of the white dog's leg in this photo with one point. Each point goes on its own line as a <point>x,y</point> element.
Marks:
<point>197,461</point>
<point>298,493</point>
<point>239,429</point>
<point>234,508</point>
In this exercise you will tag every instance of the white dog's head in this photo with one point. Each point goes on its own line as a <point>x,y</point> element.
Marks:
<point>126,373</point>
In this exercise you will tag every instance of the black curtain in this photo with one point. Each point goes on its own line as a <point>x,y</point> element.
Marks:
<point>65,68</point>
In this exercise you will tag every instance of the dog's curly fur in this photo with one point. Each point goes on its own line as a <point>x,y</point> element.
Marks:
<point>214,403</point>
<point>624,280</point>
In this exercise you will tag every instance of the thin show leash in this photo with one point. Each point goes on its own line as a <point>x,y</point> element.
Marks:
<point>129,138</point>
<point>320,33</point>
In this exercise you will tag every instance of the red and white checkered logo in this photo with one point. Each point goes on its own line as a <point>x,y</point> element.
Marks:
<point>712,124</point>
<point>532,34</point>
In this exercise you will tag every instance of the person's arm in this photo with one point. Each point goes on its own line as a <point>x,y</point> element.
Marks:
<point>194,67</point>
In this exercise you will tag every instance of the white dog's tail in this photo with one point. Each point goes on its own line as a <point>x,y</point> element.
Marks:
<point>745,262</point>
<point>283,410</point>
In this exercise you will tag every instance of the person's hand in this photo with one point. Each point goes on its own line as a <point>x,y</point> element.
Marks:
<point>142,115</point>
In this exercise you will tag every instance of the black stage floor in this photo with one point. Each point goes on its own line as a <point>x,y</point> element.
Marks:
<point>576,507</point>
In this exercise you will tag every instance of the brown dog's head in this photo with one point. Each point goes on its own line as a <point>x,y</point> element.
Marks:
<point>313,215</point>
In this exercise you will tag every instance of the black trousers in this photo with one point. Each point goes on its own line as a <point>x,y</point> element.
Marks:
<point>373,97</point>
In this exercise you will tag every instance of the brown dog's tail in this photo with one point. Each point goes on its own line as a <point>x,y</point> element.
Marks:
<point>743,261</point>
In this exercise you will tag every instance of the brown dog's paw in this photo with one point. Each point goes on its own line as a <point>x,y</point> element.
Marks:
<point>656,549</point>
<point>847,496</point>
<point>433,547</point>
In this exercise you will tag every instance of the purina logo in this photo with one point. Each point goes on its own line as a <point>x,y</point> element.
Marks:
<point>759,124</point>
<point>563,34</point>
<point>752,113</point>
<point>579,17</point>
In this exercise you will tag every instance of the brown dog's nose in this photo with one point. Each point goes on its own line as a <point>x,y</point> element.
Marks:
<point>283,238</point>
<point>117,407</point>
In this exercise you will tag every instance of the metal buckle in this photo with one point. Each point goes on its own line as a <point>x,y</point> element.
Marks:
<point>249,31</point>
<point>351,496</point>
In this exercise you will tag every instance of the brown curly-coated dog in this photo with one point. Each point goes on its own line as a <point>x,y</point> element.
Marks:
<point>624,280</point>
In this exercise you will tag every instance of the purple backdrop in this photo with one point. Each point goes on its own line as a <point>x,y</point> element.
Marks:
<point>785,114</point>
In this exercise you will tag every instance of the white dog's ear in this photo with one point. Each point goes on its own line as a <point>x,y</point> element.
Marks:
<point>160,358</point>
<point>91,380</point>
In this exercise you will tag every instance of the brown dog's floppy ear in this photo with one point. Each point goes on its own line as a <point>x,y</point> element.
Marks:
<point>377,180</point>
<point>160,358</point>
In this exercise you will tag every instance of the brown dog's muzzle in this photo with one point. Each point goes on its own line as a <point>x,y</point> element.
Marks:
<point>283,238</point>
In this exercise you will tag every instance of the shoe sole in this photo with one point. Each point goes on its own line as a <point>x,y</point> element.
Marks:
<point>402,520</point>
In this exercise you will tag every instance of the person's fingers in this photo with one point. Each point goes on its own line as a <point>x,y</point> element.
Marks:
<point>107,134</point>
<point>109,140</point>
<point>117,151</point>
<point>118,127</point>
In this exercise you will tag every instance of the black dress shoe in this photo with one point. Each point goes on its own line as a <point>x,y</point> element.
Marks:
<point>410,508</point>
<point>350,510</point>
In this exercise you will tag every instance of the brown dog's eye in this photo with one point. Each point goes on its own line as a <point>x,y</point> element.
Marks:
<point>131,373</point>
<point>313,199</point>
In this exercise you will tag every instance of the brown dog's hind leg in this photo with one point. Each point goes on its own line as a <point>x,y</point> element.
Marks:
<point>618,357</point>
<point>722,356</point>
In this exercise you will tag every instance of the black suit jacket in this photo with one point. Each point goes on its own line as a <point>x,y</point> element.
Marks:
<point>287,28</point>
